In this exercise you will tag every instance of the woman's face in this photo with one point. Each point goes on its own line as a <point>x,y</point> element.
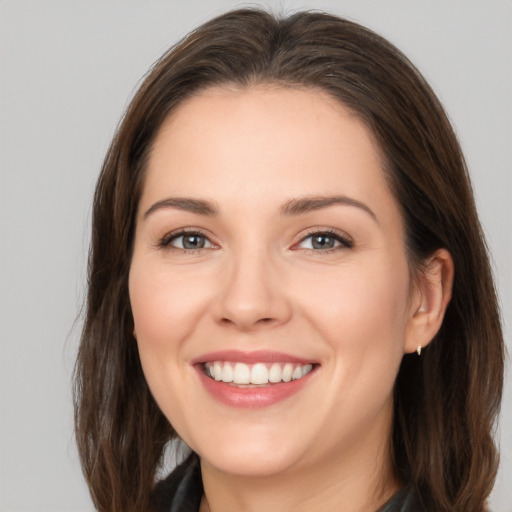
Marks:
<point>268,247</point>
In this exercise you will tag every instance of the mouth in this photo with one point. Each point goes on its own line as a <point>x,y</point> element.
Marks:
<point>253,379</point>
<point>259,374</point>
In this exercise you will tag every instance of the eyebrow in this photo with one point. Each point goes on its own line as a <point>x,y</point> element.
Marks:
<point>311,203</point>
<point>188,204</point>
<point>296,206</point>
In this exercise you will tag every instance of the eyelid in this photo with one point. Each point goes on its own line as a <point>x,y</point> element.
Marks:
<point>345,241</point>
<point>165,241</point>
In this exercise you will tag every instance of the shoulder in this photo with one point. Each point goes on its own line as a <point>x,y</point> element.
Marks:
<point>403,501</point>
<point>182,490</point>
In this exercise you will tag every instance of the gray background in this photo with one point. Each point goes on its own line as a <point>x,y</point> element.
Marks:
<point>68,69</point>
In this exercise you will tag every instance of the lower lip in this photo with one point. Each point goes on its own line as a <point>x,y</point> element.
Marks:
<point>254,397</point>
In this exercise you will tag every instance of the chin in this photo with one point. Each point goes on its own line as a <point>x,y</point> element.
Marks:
<point>249,464</point>
<point>256,455</point>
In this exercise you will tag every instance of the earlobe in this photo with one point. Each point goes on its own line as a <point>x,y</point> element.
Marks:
<point>432,295</point>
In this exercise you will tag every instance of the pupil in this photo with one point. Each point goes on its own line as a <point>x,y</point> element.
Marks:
<point>193,242</point>
<point>323,242</point>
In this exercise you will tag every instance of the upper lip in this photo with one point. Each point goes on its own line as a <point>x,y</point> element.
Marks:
<point>257,356</point>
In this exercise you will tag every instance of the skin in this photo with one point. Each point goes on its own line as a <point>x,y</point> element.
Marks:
<point>258,284</point>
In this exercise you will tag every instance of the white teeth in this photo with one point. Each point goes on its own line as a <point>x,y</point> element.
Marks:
<point>287,372</point>
<point>259,374</point>
<point>227,373</point>
<point>256,374</point>
<point>275,373</point>
<point>241,374</point>
<point>217,370</point>
<point>306,369</point>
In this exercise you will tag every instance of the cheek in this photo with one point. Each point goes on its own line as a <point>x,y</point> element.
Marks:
<point>165,306</point>
<point>361,312</point>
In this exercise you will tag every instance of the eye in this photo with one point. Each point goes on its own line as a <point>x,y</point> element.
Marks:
<point>324,241</point>
<point>187,240</point>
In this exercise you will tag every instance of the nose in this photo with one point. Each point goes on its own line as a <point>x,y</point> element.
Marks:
<point>252,294</point>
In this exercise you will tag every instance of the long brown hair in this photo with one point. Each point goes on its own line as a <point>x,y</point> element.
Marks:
<point>446,402</point>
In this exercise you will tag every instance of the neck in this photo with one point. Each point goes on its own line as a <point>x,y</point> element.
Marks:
<point>357,479</point>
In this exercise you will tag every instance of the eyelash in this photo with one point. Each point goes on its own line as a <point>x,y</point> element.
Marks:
<point>166,241</point>
<point>344,241</point>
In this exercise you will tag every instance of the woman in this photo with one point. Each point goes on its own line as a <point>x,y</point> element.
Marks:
<point>287,271</point>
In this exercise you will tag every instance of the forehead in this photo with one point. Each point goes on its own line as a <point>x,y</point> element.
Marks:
<point>264,142</point>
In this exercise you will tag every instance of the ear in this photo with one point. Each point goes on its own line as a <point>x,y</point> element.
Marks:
<point>430,298</point>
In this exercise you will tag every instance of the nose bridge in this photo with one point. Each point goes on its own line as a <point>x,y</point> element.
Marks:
<point>252,293</point>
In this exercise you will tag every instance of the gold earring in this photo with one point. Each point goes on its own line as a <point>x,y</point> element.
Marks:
<point>418,350</point>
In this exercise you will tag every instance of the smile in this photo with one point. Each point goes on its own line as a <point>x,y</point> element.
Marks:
<point>253,379</point>
<point>260,374</point>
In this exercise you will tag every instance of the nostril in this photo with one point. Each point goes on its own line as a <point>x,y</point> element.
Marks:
<point>261,321</point>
